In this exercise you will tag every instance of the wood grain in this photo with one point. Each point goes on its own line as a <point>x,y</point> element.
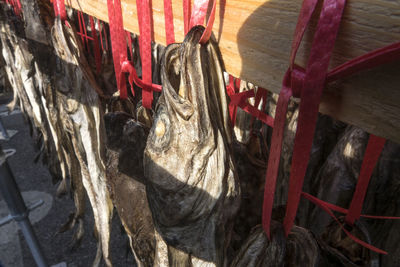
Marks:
<point>255,38</point>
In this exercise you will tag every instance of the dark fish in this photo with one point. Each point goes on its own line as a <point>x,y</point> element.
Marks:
<point>338,175</point>
<point>345,249</point>
<point>126,140</point>
<point>299,249</point>
<point>191,182</point>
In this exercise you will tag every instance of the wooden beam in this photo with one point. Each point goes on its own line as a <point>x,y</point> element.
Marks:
<point>255,39</point>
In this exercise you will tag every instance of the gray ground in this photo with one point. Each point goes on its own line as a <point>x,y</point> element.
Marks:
<point>34,181</point>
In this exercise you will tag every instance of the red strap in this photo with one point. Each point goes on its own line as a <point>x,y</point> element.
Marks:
<point>314,80</point>
<point>118,44</point>
<point>327,209</point>
<point>307,9</point>
<point>59,9</point>
<point>306,12</point>
<point>143,8</point>
<point>16,4</point>
<point>231,90</point>
<point>169,22</point>
<point>186,15</point>
<point>127,67</point>
<point>330,206</point>
<point>262,94</point>
<point>375,58</point>
<point>374,149</point>
<point>80,28</point>
<point>85,31</point>
<point>96,46</point>
<point>198,16</point>
<point>121,63</point>
<point>199,13</point>
<point>240,101</point>
<point>275,154</point>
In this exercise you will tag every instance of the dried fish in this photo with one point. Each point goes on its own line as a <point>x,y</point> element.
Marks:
<point>80,106</point>
<point>191,181</point>
<point>126,140</point>
<point>298,249</point>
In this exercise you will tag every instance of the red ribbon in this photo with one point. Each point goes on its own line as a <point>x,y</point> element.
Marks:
<point>198,16</point>
<point>16,4</point>
<point>306,12</point>
<point>314,80</point>
<point>326,208</point>
<point>118,44</point>
<point>143,8</point>
<point>374,149</point>
<point>59,9</point>
<point>169,22</point>
<point>186,15</point>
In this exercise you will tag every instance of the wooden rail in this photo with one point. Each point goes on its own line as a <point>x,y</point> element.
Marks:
<point>255,38</point>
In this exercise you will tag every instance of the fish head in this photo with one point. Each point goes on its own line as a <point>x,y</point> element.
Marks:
<point>192,110</point>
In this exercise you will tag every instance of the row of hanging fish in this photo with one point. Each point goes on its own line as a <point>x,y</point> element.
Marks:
<point>187,187</point>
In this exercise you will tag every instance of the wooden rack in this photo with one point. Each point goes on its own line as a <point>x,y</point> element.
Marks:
<point>255,40</point>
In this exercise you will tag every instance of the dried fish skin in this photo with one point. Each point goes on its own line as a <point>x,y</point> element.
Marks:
<point>351,253</point>
<point>126,140</point>
<point>78,98</point>
<point>298,249</point>
<point>191,181</point>
<point>259,251</point>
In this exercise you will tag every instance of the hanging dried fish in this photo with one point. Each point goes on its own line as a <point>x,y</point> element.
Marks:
<point>126,140</point>
<point>298,249</point>
<point>79,105</point>
<point>337,177</point>
<point>191,182</point>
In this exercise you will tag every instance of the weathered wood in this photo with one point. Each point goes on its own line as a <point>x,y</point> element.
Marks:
<point>255,38</point>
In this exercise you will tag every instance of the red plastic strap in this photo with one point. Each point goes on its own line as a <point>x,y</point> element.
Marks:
<point>375,58</point>
<point>253,110</point>
<point>261,94</point>
<point>118,43</point>
<point>169,22</point>
<point>80,33</point>
<point>327,208</point>
<point>59,9</point>
<point>84,33</point>
<point>374,149</point>
<point>314,80</point>
<point>306,12</point>
<point>96,46</point>
<point>275,154</point>
<point>239,100</point>
<point>307,9</point>
<point>231,90</point>
<point>186,15</point>
<point>198,16</point>
<point>16,4</point>
<point>333,207</point>
<point>127,67</point>
<point>143,8</point>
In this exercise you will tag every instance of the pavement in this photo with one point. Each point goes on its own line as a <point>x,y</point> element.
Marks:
<point>35,183</point>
